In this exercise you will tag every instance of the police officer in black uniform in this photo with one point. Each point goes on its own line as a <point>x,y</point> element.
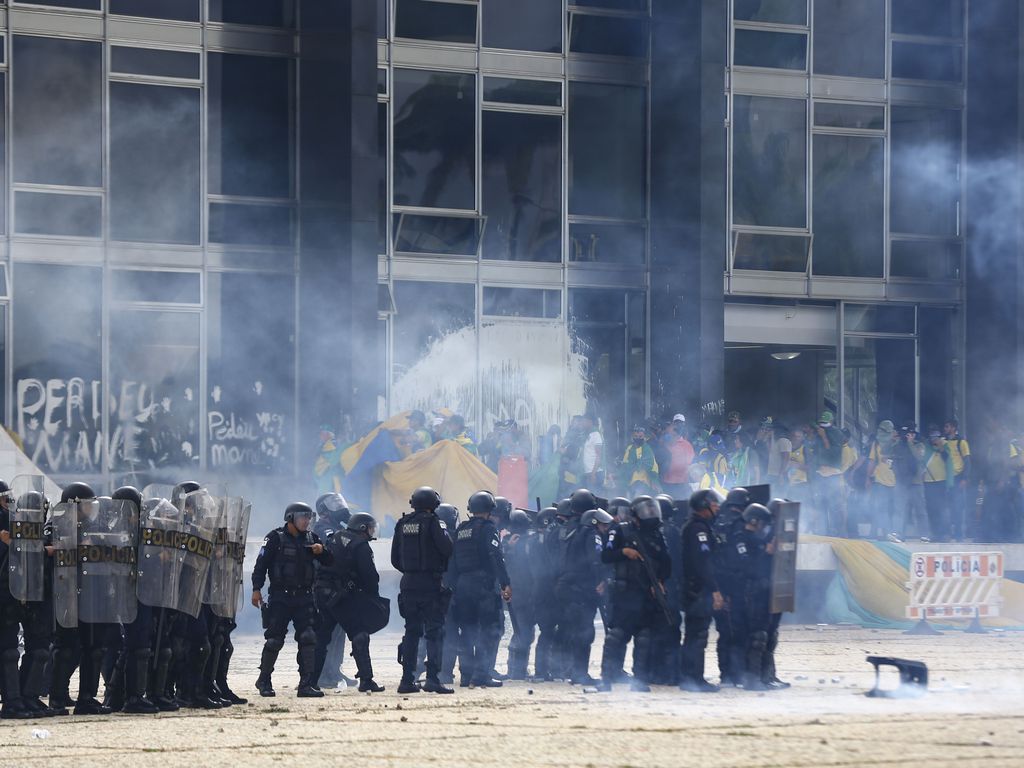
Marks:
<point>543,570</point>
<point>751,603</point>
<point>449,517</point>
<point>768,674</point>
<point>634,610</point>
<point>700,592</point>
<point>288,554</point>
<point>481,583</point>
<point>332,514</point>
<point>667,634</point>
<point>420,551</point>
<point>729,648</point>
<point>521,558</point>
<point>11,616</point>
<point>347,595</point>
<point>578,583</point>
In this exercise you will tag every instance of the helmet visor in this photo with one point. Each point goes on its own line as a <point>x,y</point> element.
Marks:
<point>647,509</point>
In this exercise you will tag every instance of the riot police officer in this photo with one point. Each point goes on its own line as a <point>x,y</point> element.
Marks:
<point>522,558</point>
<point>479,575</point>
<point>729,646</point>
<point>332,514</point>
<point>449,517</point>
<point>288,554</point>
<point>750,603</point>
<point>420,551</point>
<point>347,595</point>
<point>11,615</point>
<point>578,582</point>
<point>768,674</point>
<point>667,635</point>
<point>545,664</point>
<point>700,593</point>
<point>637,551</point>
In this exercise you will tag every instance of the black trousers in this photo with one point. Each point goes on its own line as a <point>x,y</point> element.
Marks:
<point>424,612</point>
<point>478,615</point>
<point>695,642</point>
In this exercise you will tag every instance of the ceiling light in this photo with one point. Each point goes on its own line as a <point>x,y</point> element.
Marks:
<point>785,355</point>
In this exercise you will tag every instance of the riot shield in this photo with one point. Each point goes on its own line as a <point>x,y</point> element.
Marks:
<point>160,554</point>
<point>108,531</point>
<point>26,558</point>
<point>157,491</point>
<point>64,532</point>
<point>219,575</point>
<point>198,511</point>
<point>787,525</point>
<point>239,512</point>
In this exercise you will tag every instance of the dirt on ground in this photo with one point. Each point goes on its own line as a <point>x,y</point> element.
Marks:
<point>973,714</point>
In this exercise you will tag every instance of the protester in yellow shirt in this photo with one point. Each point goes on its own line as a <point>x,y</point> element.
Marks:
<point>938,473</point>
<point>883,479</point>
<point>961,506</point>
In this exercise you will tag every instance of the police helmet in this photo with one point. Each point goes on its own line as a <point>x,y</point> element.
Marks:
<point>738,497</point>
<point>774,505</point>
<point>582,501</point>
<point>594,517</point>
<point>425,498</point>
<point>563,508</point>
<point>617,504</point>
<point>646,508</point>
<point>448,514</point>
<point>32,500</point>
<point>297,509</point>
<point>4,487</point>
<point>703,499</point>
<point>518,521</point>
<point>666,503</point>
<point>77,492</point>
<point>332,506</point>
<point>363,522</point>
<point>181,490</point>
<point>502,507</point>
<point>128,493</point>
<point>755,513</point>
<point>546,518</point>
<point>481,503</point>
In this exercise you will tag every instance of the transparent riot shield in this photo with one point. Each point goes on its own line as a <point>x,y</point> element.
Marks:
<point>157,491</point>
<point>219,575</point>
<point>161,554</point>
<point>787,526</point>
<point>239,512</point>
<point>199,514</point>
<point>26,557</point>
<point>108,531</point>
<point>64,532</point>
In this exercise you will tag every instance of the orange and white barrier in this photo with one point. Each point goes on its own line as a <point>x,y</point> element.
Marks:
<point>954,585</point>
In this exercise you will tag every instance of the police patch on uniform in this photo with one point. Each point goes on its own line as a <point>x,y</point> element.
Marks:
<point>494,542</point>
<point>410,529</point>
<point>702,537</point>
<point>443,526</point>
<point>741,548</point>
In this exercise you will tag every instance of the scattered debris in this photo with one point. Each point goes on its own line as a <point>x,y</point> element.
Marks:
<point>40,733</point>
<point>913,678</point>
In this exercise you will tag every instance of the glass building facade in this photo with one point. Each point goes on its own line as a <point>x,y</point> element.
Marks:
<point>228,222</point>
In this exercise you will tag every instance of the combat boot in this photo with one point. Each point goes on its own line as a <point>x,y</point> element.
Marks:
<point>13,708</point>
<point>408,685</point>
<point>433,685</point>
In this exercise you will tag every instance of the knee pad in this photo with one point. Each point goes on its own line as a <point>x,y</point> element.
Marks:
<point>276,643</point>
<point>306,637</point>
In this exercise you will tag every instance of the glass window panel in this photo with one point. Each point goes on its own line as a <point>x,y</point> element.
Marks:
<point>769,161</point>
<point>434,139</point>
<point>427,312</point>
<point>607,35</point>
<point>614,5</point>
<point>58,126</point>
<point>437,235</point>
<point>522,186</point>
<point>251,372</point>
<point>925,259</point>
<point>154,286</point>
<point>772,11</point>
<point>250,125</point>
<point>507,90</point>
<point>925,171</point>
<point>259,13</point>
<point>863,116</point>
<point>881,382</point>
<point>522,302</point>
<point>382,82</point>
<point>382,178</point>
<point>435,20</point>
<point>176,10</point>
<point>934,18</point>
<point>879,318</point>
<point>383,9</point>
<point>849,207</point>
<point>385,299</point>
<point>922,61</point>
<point>608,243</point>
<point>155,191</point>
<point>778,50</point>
<point>607,150</point>
<point>57,365</point>
<point>523,25</point>
<point>242,224</point>
<point>42,213</point>
<point>3,151</point>
<point>849,38</point>
<point>154,61</point>
<point>775,253</point>
<point>87,5</point>
<point>154,378</point>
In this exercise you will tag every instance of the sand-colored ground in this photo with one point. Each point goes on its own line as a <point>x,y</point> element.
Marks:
<point>973,715</point>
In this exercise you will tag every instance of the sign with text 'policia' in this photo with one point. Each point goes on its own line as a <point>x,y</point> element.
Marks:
<point>954,584</point>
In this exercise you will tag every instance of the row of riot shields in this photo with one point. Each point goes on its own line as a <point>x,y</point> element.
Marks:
<point>108,555</point>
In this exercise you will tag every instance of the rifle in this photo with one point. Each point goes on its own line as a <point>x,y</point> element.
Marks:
<point>656,588</point>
